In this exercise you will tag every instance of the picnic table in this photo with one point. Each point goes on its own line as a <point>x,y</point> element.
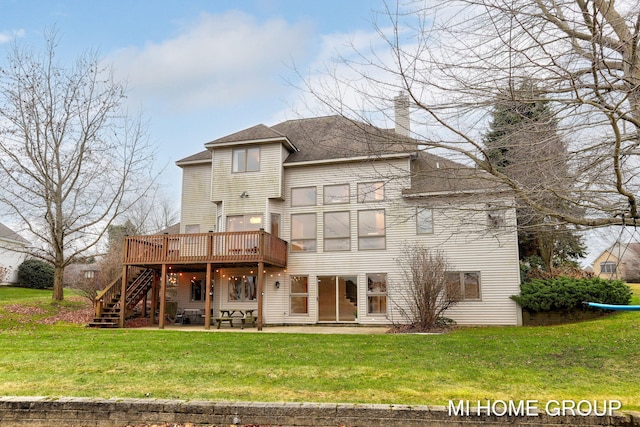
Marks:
<point>228,315</point>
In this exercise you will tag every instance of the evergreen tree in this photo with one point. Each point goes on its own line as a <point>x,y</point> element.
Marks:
<point>523,143</point>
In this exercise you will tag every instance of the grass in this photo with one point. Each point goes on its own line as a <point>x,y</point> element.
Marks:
<point>592,360</point>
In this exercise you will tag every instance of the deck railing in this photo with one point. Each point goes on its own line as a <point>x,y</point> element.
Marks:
<point>227,247</point>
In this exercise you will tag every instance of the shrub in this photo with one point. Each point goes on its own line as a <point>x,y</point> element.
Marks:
<point>35,274</point>
<point>563,293</point>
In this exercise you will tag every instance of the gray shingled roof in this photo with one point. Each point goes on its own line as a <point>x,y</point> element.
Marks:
<point>435,174</point>
<point>336,137</point>
<point>254,133</point>
<point>320,138</point>
<point>9,234</point>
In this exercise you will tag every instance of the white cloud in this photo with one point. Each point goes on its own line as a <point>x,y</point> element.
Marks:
<point>7,36</point>
<point>220,59</point>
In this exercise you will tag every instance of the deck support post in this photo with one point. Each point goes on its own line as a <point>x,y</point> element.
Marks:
<point>154,299</point>
<point>207,304</point>
<point>163,296</point>
<point>123,297</point>
<point>260,293</point>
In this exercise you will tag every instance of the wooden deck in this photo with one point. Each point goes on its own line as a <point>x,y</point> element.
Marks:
<point>231,248</point>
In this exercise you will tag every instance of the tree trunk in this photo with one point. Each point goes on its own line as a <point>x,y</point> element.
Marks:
<point>58,283</point>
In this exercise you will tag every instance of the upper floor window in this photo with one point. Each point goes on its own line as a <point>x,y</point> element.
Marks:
<point>246,159</point>
<point>334,194</point>
<point>371,229</point>
<point>370,192</point>
<point>337,231</point>
<point>303,196</point>
<point>424,221</point>
<point>495,216</point>
<point>607,267</point>
<point>303,232</point>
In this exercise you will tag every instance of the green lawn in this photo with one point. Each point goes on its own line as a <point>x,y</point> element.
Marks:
<point>592,360</point>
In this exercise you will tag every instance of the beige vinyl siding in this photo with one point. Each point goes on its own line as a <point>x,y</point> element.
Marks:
<point>460,230</point>
<point>260,185</point>
<point>197,208</point>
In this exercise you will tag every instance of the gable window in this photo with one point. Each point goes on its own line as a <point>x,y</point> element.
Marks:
<point>334,194</point>
<point>246,159</point>
<point>424,221</point>
<point>197,290</point>
<point>370,192</point>
<point>463,285</point>
<point>371,229</point>
<point>303,196</point>
<point>495,217</point>
<point>242,288</point>
<point>608,267</point>
<point>337,231</point>
<point>377,293</point>
<point>303,232</point>
<point>299,295</point>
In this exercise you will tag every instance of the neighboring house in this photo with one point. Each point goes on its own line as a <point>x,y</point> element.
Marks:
<point>12,254</point>
<point>620,261</point>
<point>304,221</point>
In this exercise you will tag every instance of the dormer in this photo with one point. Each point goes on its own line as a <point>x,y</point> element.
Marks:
<point>249,161</point>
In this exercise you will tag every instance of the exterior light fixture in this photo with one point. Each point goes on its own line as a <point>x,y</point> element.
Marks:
<point>277,284</point>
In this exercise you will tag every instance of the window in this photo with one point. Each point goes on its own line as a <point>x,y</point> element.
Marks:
<point>89,274</point>
<point>334,194</point>
<point>370,192</point>
<point>303,196</point>
<point>337,232</point>
<point>463,285</point>
<point>299,296</point>
<point>371,229</point>
<point>242,288</point>
<point>251,222</point>
<point>495,217</point>
<point>424,221</point>
<point>608,267</point>
<point>377,293</point>
<point>303,232</point>
<point>246,159</point>
<point>192,229</point>
<point>197,290</point>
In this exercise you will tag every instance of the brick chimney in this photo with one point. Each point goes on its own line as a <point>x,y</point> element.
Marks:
<point>401,109</point>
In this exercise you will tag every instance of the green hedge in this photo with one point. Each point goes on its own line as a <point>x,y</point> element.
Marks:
<point>563,293</point>
<point>35,274</point>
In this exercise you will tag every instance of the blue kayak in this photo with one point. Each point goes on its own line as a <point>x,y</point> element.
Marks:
<point>614,307</point>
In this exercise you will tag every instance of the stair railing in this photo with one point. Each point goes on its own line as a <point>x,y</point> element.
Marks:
<point>109,294</point>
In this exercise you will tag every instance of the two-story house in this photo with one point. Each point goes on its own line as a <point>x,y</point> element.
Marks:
<point>304,222</point>
<point>12,254</point>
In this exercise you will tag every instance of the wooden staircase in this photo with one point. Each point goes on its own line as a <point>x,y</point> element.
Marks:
<point>107,303</point>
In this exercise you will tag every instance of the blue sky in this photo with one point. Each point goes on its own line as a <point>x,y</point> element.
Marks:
<point>198,70</point>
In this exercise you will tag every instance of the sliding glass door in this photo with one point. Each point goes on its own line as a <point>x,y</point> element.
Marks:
<point>337,298</point>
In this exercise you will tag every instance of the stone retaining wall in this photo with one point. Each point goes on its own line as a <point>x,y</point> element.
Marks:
<point>81,412</point>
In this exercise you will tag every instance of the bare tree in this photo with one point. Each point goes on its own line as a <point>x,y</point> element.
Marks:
<point>428,291</point>
<point>153,213</point>
<point>454,59</point>
<point>71,159</point>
